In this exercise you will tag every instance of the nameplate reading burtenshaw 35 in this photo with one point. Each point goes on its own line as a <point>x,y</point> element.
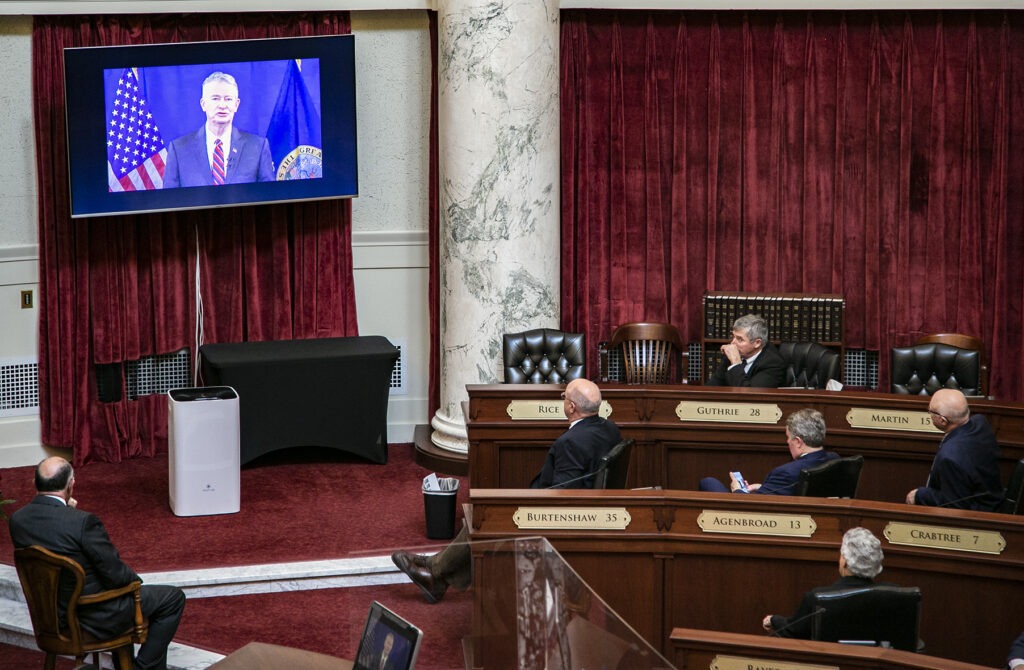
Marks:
<point>942,537</point>
<point>533,410</point>
<point>890,419</point>
<point>572,518</point>
<point>729,412</point>
<point>721,662</point>
<point>747,523</point>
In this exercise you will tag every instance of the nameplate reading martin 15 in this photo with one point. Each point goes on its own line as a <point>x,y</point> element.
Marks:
<point>756,523</point>
<point>572,518</point>
<point>942,537</point>
<point>721,662</point>
<point>533,410</point>
<point>890,419</point>
<point>729,412</point>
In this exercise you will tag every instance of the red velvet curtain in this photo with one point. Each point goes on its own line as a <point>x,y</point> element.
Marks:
<point>877,155</point>
<point>119,288</point>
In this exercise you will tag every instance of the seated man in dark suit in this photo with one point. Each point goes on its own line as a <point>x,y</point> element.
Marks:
<point>218,153</point>
<point>1015,659</point>
<point>805,436</point>
<point>750,359</point>
<point>52,520</point>
<point>860,561</point>
<point>570,462</point>
<point>965,472</point>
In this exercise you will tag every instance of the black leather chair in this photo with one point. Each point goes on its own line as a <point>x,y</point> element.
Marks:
<point>935,363</point>
<point>614,466</point>
<point>887,616</point>
<point>543,356</point>
<point>809,365</point>
<point>836,479</point>
<point>1014,491</point>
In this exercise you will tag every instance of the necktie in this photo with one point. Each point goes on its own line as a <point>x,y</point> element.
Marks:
<point>218,163</point>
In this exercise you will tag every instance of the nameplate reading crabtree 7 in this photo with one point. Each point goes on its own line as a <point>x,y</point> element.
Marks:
<point>942,537</point>
<point>721,662</point>
<point>533,410</point>
<point>890,419</point>
<point>745,523</point>
<point>729,412</point>
<point>571,518</point>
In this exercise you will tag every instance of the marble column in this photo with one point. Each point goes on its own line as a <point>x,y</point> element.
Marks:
<point>499,181</point>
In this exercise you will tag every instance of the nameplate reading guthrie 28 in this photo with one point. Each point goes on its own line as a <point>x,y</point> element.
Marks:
<point>729,412</point>
<point>572,518</point>
<point>790,525</point>
<point>942,537</point>
<point>722,662</point>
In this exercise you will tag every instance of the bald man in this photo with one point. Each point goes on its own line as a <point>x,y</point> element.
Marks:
<point>570,463</point>
<point>965,472</point>
<point>52,520</point>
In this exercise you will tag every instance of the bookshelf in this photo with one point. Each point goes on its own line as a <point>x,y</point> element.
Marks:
<point>791,317</point>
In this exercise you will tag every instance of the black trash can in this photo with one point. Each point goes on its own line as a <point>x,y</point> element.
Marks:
<point>439,508</point>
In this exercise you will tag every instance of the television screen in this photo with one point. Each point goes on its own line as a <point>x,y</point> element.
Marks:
<point>210,124</point>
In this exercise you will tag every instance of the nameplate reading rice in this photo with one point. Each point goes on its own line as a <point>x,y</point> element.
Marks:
<point>890,419</point>
<point>722,662</point>
<point>553,410</point>
<point>747,523</point>
<point>729,412</point>
<point>942,537</point>
<point>572,518</point>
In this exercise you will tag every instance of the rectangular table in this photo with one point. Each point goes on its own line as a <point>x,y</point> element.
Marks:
<point>329,392</point>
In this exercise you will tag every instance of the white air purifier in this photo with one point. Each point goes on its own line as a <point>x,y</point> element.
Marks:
<point>203,451</point>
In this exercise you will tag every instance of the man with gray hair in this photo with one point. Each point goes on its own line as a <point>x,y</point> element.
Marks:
<point>750,358</point>
<point>805,437</point>
<point>860,561</point>
<point>218,153</point>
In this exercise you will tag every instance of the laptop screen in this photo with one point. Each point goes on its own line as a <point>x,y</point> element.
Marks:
<point>389,642</point>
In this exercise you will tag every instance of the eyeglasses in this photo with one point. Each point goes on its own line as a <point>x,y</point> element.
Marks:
<point>931,411</point>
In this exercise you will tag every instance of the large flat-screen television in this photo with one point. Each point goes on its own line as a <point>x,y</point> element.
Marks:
<point>166,127</point>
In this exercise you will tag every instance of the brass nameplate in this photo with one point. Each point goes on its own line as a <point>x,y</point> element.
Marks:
<point>546,410</point>
<point>943,537</point>
<point>734,412</point>
<point>890,419</point>
<point>572,518</point>
<point>756,523</point>
<point>722,662</point>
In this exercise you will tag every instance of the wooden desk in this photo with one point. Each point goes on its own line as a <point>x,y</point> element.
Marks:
<point>673,454</point>
<point>695,649</point>
<point>260,656</point>
<point>663,571</point>
<point>329,392</point>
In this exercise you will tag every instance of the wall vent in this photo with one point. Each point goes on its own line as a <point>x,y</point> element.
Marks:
<point>397,386</point>
<point>19,386</point>
<point>157,374</point>
<point>860,368</point>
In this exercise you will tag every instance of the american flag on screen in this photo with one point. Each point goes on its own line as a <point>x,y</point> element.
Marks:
<point>135,148</point>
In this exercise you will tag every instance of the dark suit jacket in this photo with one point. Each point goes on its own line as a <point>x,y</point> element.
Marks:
<point>576,452</point>
<point>965,466</point>
<point>81,536</point>
<point>767,371</point>
<point>799,625</point>
<point>1016,649</point>
<point>188,164</point>
<point>782,480</point>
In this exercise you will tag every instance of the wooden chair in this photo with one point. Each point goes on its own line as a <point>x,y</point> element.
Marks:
<point>40,573</point>
<point>648,350</point>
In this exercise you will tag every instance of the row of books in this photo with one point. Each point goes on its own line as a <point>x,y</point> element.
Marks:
<point>791,318</point>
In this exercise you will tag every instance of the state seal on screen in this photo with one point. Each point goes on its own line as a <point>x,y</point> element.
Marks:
<point>302,162</point>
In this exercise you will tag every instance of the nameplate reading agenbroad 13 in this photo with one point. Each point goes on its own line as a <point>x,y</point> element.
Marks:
<point>721,662</point>
<point>890,419</point>
<point>748,523</point>
<point>942,537</point>
<point>532,410</point>
<point>729,412</point>
<point>572,518</point>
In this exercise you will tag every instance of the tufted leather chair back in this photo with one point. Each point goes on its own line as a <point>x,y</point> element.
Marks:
<point>543,356</point>
<point>923,369</point>
<point>809,365</point>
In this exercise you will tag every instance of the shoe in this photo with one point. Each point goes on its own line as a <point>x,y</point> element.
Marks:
<point>416,569</point>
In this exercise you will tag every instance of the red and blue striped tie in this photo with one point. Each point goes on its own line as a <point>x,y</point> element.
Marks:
<point>218,163</point>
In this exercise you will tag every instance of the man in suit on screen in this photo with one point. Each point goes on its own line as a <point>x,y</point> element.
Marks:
<point>218,153</point>
<point>53,521</point>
